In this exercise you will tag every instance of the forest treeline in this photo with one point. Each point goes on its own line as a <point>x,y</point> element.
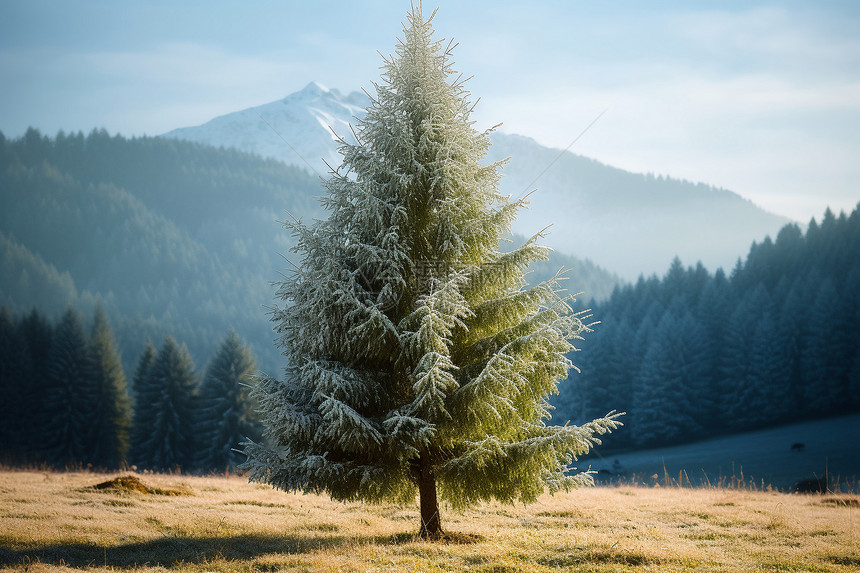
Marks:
<point>696,354</point>
<point>168,237</point>
<point>67,401</point>
<point>176,239</point>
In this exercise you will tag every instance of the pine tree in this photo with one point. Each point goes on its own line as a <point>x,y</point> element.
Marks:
<point>671,373</point>
<point>111,422</point>
<point>741,399</point>
<point>165,410</point>
<point>649,317</point>
<point>852,293</point>
<point>139,391</point>
<point>12,385</point>
<point>827,353</point>
<point>147,357</point>
<point>227,412</point>
<point>68,401</point>
<point>418,359</point>
<point>605,364</point>
<point>793,316</point>
<point>715,303</point>
<point>770,381</point>
<point>36,334</point>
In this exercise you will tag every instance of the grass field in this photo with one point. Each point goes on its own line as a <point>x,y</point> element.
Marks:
<point>59,521</point>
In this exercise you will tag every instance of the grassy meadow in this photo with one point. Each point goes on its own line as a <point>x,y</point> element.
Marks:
<point>59,522</point>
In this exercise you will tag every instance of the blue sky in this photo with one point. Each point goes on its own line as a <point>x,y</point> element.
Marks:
<point>762,98</point>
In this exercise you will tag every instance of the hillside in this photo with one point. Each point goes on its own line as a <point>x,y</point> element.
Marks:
<point>628,223</point>
<point>631,223</point>
<point>694,355</point>
<point>757,459</point>
<point>170,237</point>
<point>61,522</point>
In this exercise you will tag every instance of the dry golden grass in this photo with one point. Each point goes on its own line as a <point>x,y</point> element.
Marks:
<point>59,522</point>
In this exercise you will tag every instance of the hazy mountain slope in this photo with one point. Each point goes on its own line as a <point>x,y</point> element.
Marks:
<point>583,279</point>
<point>170,237</point>
<point>26,280</point>
<point>630,223</point>
<point>694,355</point>
<point>626,222</point>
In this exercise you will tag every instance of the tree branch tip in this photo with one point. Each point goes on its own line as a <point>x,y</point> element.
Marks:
<point>490,130</point>
<point>331,169</point>
<point>527,195</point>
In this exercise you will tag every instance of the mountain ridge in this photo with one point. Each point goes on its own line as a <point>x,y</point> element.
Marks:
<point>632,224</point>
<point>312,115</point>
<point>169,237</point>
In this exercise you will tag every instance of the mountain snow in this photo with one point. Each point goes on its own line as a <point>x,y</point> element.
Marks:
<point>301,129</point>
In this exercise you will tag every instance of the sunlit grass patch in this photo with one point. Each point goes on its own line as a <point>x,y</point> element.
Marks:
<point>843,501</point>
<point>852,560</point>
<point>230,525</point>
<point>599,556</point>
<point>255,503</point>
<point>791,567</point>
<point>709,535</point>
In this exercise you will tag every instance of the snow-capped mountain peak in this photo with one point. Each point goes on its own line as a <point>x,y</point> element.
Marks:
<point>299,129</point>
<point>313,89</point>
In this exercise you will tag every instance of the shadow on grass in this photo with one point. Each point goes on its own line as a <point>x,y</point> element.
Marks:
<point>172,551</point>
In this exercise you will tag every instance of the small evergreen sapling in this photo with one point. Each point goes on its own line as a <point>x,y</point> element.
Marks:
<point>418,359</point>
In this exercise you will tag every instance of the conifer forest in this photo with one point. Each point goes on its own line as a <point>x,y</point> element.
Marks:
<point>696,354</point>
<point>136,289</point>
<point>688,355</point>
<point>68,404</point>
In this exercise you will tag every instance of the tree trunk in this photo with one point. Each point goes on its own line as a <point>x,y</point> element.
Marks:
<point>431,527</point>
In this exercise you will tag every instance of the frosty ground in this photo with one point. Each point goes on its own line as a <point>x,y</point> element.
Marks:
<point>59,521</point>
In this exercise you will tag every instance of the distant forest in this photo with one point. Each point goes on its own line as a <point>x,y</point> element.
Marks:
<point>695,354</point>
<point>177,243</point>
<point>67,402</point>
<point>170,238</point>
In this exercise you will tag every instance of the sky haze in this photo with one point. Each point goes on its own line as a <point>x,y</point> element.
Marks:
<point>762,98</point>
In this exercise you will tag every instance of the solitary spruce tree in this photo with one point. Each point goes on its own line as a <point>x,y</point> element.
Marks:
<point>418,359</point>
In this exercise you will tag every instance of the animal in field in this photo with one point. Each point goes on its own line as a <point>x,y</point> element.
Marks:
<point>811,485</point>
